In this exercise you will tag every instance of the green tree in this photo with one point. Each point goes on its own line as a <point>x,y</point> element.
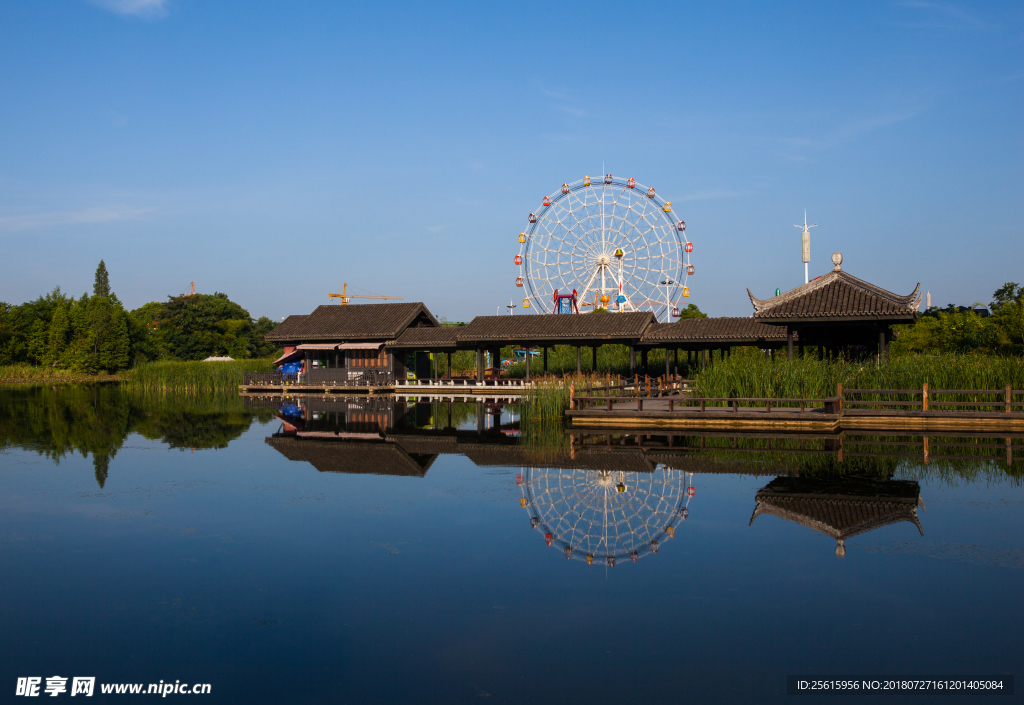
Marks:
<point>101,286</point>
<point>202,325</point>
<point>1008,293</point>
<point>691,311</point>
<point>59,336</point>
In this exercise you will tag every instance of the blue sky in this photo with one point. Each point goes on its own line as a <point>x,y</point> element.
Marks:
<point>275,150</point>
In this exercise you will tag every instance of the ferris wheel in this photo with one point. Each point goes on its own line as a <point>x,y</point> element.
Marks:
<point>607,516</point>
<point>613,244</point>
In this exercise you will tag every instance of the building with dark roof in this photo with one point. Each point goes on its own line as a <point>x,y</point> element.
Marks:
<point>838,311</point>
<point>376,344</point>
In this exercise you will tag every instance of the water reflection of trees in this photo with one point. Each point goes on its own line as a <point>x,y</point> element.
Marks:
<point>95,420</point>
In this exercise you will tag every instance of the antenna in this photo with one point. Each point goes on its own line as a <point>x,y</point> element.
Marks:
<point>806,244</point>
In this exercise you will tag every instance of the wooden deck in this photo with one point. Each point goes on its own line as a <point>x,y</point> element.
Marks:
<point>656,414</point>
<point>637,409</point>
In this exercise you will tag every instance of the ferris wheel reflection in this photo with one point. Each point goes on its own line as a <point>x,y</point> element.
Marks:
<point>606,516</point>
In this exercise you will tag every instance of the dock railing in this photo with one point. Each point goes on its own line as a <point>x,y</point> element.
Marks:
<point>934,402</point>
<point>267,379</point>
<point>680,403</point>
<point>963,403</point>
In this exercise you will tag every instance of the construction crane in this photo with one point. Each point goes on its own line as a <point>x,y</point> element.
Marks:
<point>192,290</point>
<point>345,296</point>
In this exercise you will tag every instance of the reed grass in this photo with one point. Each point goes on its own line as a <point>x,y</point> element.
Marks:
<point>29,374</point>
<point>192,377</point>
<point>754,375</point>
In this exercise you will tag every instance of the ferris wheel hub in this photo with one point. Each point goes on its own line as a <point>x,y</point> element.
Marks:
<point>604,260</point>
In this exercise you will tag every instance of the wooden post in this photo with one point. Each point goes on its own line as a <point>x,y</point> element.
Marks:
<point>789,343</point>
<point>924,405</point>
<point>925,447</point>
<point>1009,396</point>
<point>449,366</point>
<point>881,345</point>
<point>527,362</point>
<point>545,349</point>
<point>572,393</point>
<point>839,393</point>
<point>667,370</point>
<point>593,364</point>
<point>579,369</point>
<point>632,361</point>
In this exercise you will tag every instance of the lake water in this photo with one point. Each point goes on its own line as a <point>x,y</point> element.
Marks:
<point>367,551</point>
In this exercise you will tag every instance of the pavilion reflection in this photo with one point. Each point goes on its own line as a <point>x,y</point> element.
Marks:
<point>840,507</point>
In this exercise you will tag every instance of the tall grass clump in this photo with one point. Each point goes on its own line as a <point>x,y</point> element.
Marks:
<point>31,374</point>
<point>754,375</point>
<point>546,401</point>
<point>192,377</point>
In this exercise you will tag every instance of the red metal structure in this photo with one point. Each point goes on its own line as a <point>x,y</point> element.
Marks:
<point>566,303</point>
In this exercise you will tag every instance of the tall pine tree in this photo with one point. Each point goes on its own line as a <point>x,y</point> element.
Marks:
<point>102,285</point>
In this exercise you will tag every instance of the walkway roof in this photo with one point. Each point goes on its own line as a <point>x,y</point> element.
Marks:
<point>553,328</point>
<point>736,331</point>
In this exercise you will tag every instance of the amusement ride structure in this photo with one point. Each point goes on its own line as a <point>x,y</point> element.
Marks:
<point>613,244</point>
<point>605,516</point>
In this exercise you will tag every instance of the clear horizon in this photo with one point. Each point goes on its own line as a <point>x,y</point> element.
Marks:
<point>273,152</point>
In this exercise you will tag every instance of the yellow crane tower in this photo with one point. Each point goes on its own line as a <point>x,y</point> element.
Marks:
<point>345,296</point>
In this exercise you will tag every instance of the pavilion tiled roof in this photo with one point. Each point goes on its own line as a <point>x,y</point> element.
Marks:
<point>733,330</point>
<point>352,322</point>
<point>563,328</point>
<point>428,336</point>
<point>837,296</point>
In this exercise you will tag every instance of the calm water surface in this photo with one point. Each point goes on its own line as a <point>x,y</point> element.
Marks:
<point>372,552</point>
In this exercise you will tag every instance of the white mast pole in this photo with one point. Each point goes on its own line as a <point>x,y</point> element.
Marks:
<point>805,241</point>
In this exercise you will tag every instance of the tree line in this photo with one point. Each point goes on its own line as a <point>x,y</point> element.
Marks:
<point>997,329</point>
<point>95,333</point>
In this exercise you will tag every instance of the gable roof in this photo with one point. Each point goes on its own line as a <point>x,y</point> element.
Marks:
<point>562,328</point>
<point>733,330</point>
<point>285,327</point>
<point>352,322</point>
<point>837,295</point>
<point>427,336</point>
